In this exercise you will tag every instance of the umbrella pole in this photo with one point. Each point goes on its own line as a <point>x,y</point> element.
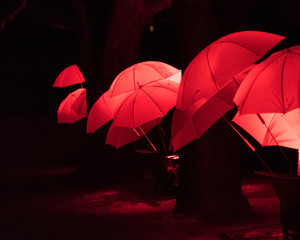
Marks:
<point>161,133</point>
<point>282,152</point>
<point>152,145</point>
<point>244,139</point>
<point>249,145</point>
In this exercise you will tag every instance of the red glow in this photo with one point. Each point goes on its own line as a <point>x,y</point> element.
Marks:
<point>136,101</point>
<point>69,76</point>
<point>73,107</point>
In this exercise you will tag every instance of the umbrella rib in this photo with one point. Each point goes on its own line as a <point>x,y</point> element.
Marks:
<point>116,80</point>
<point>155,70</point>
<point>106,105</point>
<point>117,112</point>
<point>240,45</point>
<point>243,103</point>
<point>210,70</point>
<point>152,100</point>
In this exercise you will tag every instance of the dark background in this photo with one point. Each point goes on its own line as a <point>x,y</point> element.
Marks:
<point>38,39</point>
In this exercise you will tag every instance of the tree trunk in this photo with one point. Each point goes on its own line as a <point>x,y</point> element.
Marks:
<point>126,24</point>
<point>209,179</point>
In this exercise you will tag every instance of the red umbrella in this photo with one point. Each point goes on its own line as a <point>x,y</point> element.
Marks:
<point>69,76</point>
<point>73,107</point>
<point>102,111</point>
<point>140,94</point>
<point>191,123</point>
<point>219,62</point>
<point>273,85</point>
<point>143,73</point>
<point>120,136</point>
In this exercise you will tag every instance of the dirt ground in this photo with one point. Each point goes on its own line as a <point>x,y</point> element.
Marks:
<point>48,203</point>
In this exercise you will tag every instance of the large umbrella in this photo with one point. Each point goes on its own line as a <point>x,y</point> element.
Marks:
<point>73,107</point>
<point>69,76</point>
<point>220,61</point>
<point>273,85</point>
<point>141,74</point>
<point>190,124</point>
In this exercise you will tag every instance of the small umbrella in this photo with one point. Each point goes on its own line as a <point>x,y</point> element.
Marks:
<point>102,111</point>
<point>69,76</point>
<point>143,73</point>
<point>73,107</point>
<point>273,85</point>
<point>120,136</point>
<point>220,61</point>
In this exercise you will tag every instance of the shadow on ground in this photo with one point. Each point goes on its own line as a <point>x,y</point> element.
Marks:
<point>50,203</point>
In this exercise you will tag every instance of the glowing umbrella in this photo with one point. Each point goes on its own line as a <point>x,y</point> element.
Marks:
<point>273,85</point>
<point>140,94</point>
<point>219,62</point>
<point>69,76</point>
<point>141,74</point>
<point>73,107</point>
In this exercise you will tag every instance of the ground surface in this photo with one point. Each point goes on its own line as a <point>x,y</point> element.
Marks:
<point>46,203</point>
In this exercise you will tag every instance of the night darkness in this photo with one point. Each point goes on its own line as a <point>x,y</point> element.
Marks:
<point>40,38</point>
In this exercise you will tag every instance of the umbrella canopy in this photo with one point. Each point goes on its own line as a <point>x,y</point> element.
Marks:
<point>150,101</point>
<point>69,76</point>
<point>220,61</point>
<point>141,74</point>
<point>73,107</point>
<point>273,85</point>
<point>190,124</point>
<point>120,136</point>
<point>102,111</point>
